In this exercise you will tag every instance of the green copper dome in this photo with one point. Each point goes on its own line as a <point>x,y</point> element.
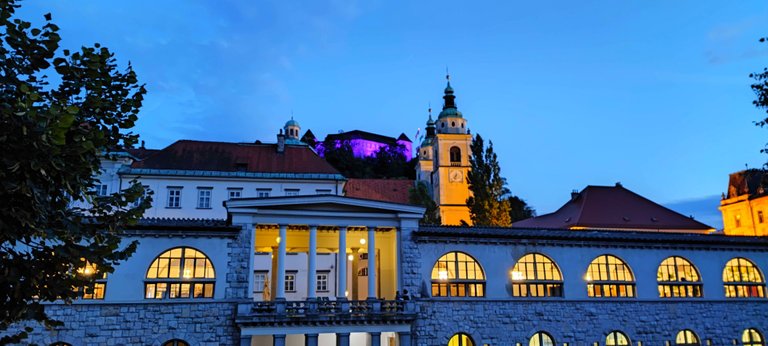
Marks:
<point>292,123</point>
<point>449,112</point>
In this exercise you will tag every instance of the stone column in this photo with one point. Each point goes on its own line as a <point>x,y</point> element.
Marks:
<point>251,231</point>
<point>310,339</point>
<point>312,266</point>
<point>405,338</point>
<point>278,340</point>
<point>375,338</point>
<point>280,294</point>
<point>342,339</point>
<point>355,292</point>
<point>372,263</point>
<point>342,266</point>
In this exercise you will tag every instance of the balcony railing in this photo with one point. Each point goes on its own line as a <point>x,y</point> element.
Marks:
<point>329,310</point>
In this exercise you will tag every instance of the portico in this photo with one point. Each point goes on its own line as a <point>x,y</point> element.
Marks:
<point>328,266</point>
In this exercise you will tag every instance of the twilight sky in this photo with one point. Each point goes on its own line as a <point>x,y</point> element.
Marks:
<point>654,94</point>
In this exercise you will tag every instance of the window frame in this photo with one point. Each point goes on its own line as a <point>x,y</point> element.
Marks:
<point>687,334</point>
<point>550,288</point>
<point>260,288</point>
<point>173,193</point>
<point>292,280</point>
<point>751,341</point>
<point>679,287</point>
<point>615,287</point>
<point>204,202</point>
<point>292,192</point>
<point>327,275</point>
<point>170,286</point>
<point>460,340</point>
<point>263,193</point>
<point>615,335</point>
<point>539,336</point>
<point>458,287</point>
<point>743,289</point>
<point>232,190</point>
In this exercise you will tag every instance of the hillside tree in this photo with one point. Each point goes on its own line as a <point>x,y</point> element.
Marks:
<point>488,205</point>
<point>54,132</point>
<point>760,88</point>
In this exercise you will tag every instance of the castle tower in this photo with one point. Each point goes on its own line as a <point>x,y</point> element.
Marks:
<point>450,189</point>
<point>292,130</point>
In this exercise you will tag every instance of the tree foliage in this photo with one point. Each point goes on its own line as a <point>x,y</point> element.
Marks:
<point>519,209</point>
<point>760,88</point>
<point>52,140</point>
<point>488,205</point>
<point>419,195</point>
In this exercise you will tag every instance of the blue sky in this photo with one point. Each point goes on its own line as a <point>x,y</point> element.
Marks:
<point>654,94</point>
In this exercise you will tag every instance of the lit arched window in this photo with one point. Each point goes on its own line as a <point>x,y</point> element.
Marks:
<point>176,342</point>
<point>541,339</point>
<point>742,279</point>
<point>751,337</point>
<point>609,276</point>
<point>677,277</point>
<point>687,337</point>
<point>461,339</point>
<point>457,274</point>
<point>180,273</point>
<point>535,275</point>
<point>616,338</point>
<point>455,155</point>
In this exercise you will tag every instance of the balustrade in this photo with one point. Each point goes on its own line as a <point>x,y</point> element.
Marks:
<point>332,308</point>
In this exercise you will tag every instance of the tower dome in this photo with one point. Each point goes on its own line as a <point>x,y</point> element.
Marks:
<point>450,120</point>
<point>292,129</point>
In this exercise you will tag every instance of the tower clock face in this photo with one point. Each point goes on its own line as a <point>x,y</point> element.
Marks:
<point>455,175</point>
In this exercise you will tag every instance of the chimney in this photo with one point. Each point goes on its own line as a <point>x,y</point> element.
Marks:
<point>280,142</point>
<point>574,194</point>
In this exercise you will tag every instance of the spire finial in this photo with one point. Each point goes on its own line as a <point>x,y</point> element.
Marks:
<point>291,114</point>
<point>430,110</point>
<point>447,75</point>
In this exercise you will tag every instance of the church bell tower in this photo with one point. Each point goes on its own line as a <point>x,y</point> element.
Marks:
<point>451,162</point>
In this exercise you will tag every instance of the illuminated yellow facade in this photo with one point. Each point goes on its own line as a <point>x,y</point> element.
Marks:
<point>451,145</point>
<point>745,207</point>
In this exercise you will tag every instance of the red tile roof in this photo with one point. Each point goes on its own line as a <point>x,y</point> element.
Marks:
<point>234,157</point>
<point>386,190</point>
<point>616,208</point>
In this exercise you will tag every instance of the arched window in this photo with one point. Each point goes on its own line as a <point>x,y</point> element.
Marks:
<point>609,276</point>
<point>616,338</point>
<point>751,337</point>
<point>687,337</point>
<point>677,277</point>
<point>742,279</point>
<point>176,342</point>
<point>455,155</point>
<point>535,275</point>
<point>461,339</point>
<point>457,274</point>
<point>541,339</point>
<point>60,343</point>
<point>181,272</point>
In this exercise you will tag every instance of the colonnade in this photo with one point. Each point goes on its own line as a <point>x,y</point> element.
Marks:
<point>279,294</point>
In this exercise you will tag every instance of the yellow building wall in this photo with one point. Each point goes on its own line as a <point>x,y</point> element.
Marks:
<point>451,196</point>
<point>745,217</point>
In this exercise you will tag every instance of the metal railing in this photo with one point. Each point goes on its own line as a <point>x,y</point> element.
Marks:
<point>332,308</point>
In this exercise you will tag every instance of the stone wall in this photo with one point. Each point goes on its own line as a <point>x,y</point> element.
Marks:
<point>237,266</point>
<point>197,323</point>
<point>410,265</point>
<point>507,322</point>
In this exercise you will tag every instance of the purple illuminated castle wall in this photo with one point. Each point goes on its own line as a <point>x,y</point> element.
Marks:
<point>366,144</point>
